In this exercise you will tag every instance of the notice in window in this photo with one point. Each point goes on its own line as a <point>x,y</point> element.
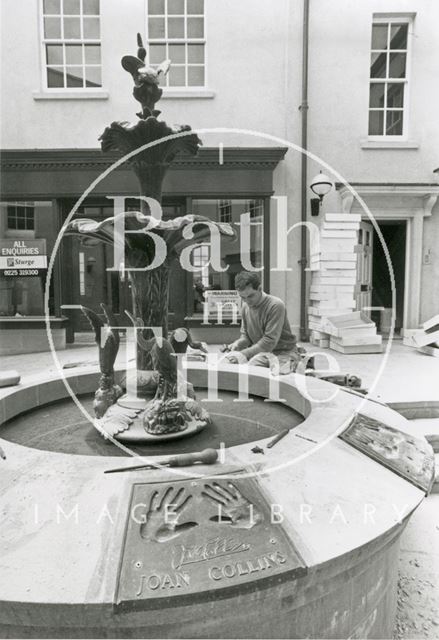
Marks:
<point>23,257</point>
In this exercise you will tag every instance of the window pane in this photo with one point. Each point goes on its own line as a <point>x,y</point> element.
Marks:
<point>195,6</point>
<point>177,52</point>
<point>231,254</point>
<point>175,27</point>
<point>378,65</point>
<point>376,123</point>
<point>92,54</point>
<point>395,94</point>
<point>74,77</point>
<point>156,27</point>
<point>379,36</point>
<point>52,27</point>
<point>91,28</point>
<point>157,53</point>
<point>91,7</point>
<point>73,54</point>
<point>51,6</point>
<point>72,28</point>
<point>196,53</point>
<point>71,7</point>
<point>54,54</point>
<point>195,28</point>
<point>177,77</point>
<point>394,123</point>
<point>196,76</point>
<point>175,7</point>
<point>93,77</point>
<point>55,77</point>
<point>398,36</point>
<point>156,7</point>
<point>397,65</point>
<point>377,94</point>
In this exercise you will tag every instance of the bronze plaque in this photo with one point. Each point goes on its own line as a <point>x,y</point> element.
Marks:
<point>411,458</point>
<point>198,539</point>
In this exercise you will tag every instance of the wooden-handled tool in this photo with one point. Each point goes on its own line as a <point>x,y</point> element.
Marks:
<point>207,456</point>
<point>276,439</point>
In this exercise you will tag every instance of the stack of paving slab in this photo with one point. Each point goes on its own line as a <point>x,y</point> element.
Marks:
<point>352,333</point>
<point>333,266</point>
<point>332,291</point>
<point>426,339</point>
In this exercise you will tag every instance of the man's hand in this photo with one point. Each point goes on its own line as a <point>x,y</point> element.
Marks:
<point>234,357</point>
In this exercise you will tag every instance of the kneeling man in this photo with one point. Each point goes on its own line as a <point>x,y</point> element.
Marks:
<point>266,339</point>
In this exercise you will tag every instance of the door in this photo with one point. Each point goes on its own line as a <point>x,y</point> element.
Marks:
<point>364,251</point>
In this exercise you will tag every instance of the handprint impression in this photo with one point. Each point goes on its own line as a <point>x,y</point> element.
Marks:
<point>233,508</point>
<point>161,523</point>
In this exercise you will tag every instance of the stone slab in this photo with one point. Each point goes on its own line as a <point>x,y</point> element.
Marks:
<point>9,378</point>
<point>229,541</point>
<point>431,323</point>
<point>365,348</point>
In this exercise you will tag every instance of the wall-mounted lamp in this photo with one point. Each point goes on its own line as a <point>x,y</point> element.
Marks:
<point>320,185</point>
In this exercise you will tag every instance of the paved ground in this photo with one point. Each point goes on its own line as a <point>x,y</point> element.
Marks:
<point>403,375</point>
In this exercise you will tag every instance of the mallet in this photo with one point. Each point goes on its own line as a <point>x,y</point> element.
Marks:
<point>207,456</point>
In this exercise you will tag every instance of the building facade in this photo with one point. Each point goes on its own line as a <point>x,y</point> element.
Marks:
<point>238,78</point>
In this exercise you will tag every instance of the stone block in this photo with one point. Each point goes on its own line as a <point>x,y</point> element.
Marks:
<point>9,378</point>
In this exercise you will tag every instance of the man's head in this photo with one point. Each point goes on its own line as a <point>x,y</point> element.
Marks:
<point>248,285</point>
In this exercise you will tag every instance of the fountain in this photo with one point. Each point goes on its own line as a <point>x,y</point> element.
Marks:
<point>293,536</point>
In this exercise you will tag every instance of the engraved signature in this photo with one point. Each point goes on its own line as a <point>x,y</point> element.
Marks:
<point>233,507</point>
<point>214,548</point>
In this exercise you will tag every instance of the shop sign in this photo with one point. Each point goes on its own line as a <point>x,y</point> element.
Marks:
<point>23,257</point>
<point>225,304</point>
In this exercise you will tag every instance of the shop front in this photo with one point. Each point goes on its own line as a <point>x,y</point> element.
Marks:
<point>41,190</point>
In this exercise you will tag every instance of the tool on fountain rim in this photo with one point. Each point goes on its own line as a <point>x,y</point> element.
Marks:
<point>279,436</point>
<point>207,456</point>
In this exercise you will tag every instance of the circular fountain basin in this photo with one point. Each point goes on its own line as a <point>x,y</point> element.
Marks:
<point>298,541</point>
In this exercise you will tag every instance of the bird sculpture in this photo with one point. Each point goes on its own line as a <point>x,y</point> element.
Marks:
<point>168,412</point>
<point>181,339</point>
<point>146,79</point>
<point>107,338</point>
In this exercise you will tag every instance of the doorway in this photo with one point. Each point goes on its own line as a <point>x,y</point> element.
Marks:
<point>373,290</point>
<point>394,233</point>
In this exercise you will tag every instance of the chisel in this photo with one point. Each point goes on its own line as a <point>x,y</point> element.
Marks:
<point>207,456</point>
<point>276,439</point>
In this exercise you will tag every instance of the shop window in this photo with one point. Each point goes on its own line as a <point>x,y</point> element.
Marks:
<point>176,32</point>
<point>237,255</point>
<point>71,44</point>
<point>224,211</point>
<point>388,85</point>
<point>26,242</point>
<point>255,208</point>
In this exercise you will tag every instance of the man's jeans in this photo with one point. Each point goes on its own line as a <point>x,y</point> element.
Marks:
<point>280,363</point>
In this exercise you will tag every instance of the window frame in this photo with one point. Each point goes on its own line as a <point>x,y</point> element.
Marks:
<point>29,208</point>
<point>44,65</point>
<point>224,210</point>
<point>390,19</point>
<point>186,41</point>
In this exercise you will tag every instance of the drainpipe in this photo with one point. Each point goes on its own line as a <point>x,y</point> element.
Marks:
<point>304,180</point>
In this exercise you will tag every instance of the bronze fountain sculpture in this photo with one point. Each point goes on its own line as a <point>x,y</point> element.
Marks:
<point>156,365</point>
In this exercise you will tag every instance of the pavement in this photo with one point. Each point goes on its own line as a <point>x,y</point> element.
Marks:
<point>401,375</point>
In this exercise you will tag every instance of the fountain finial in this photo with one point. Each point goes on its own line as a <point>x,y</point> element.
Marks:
<point>146,79</point>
